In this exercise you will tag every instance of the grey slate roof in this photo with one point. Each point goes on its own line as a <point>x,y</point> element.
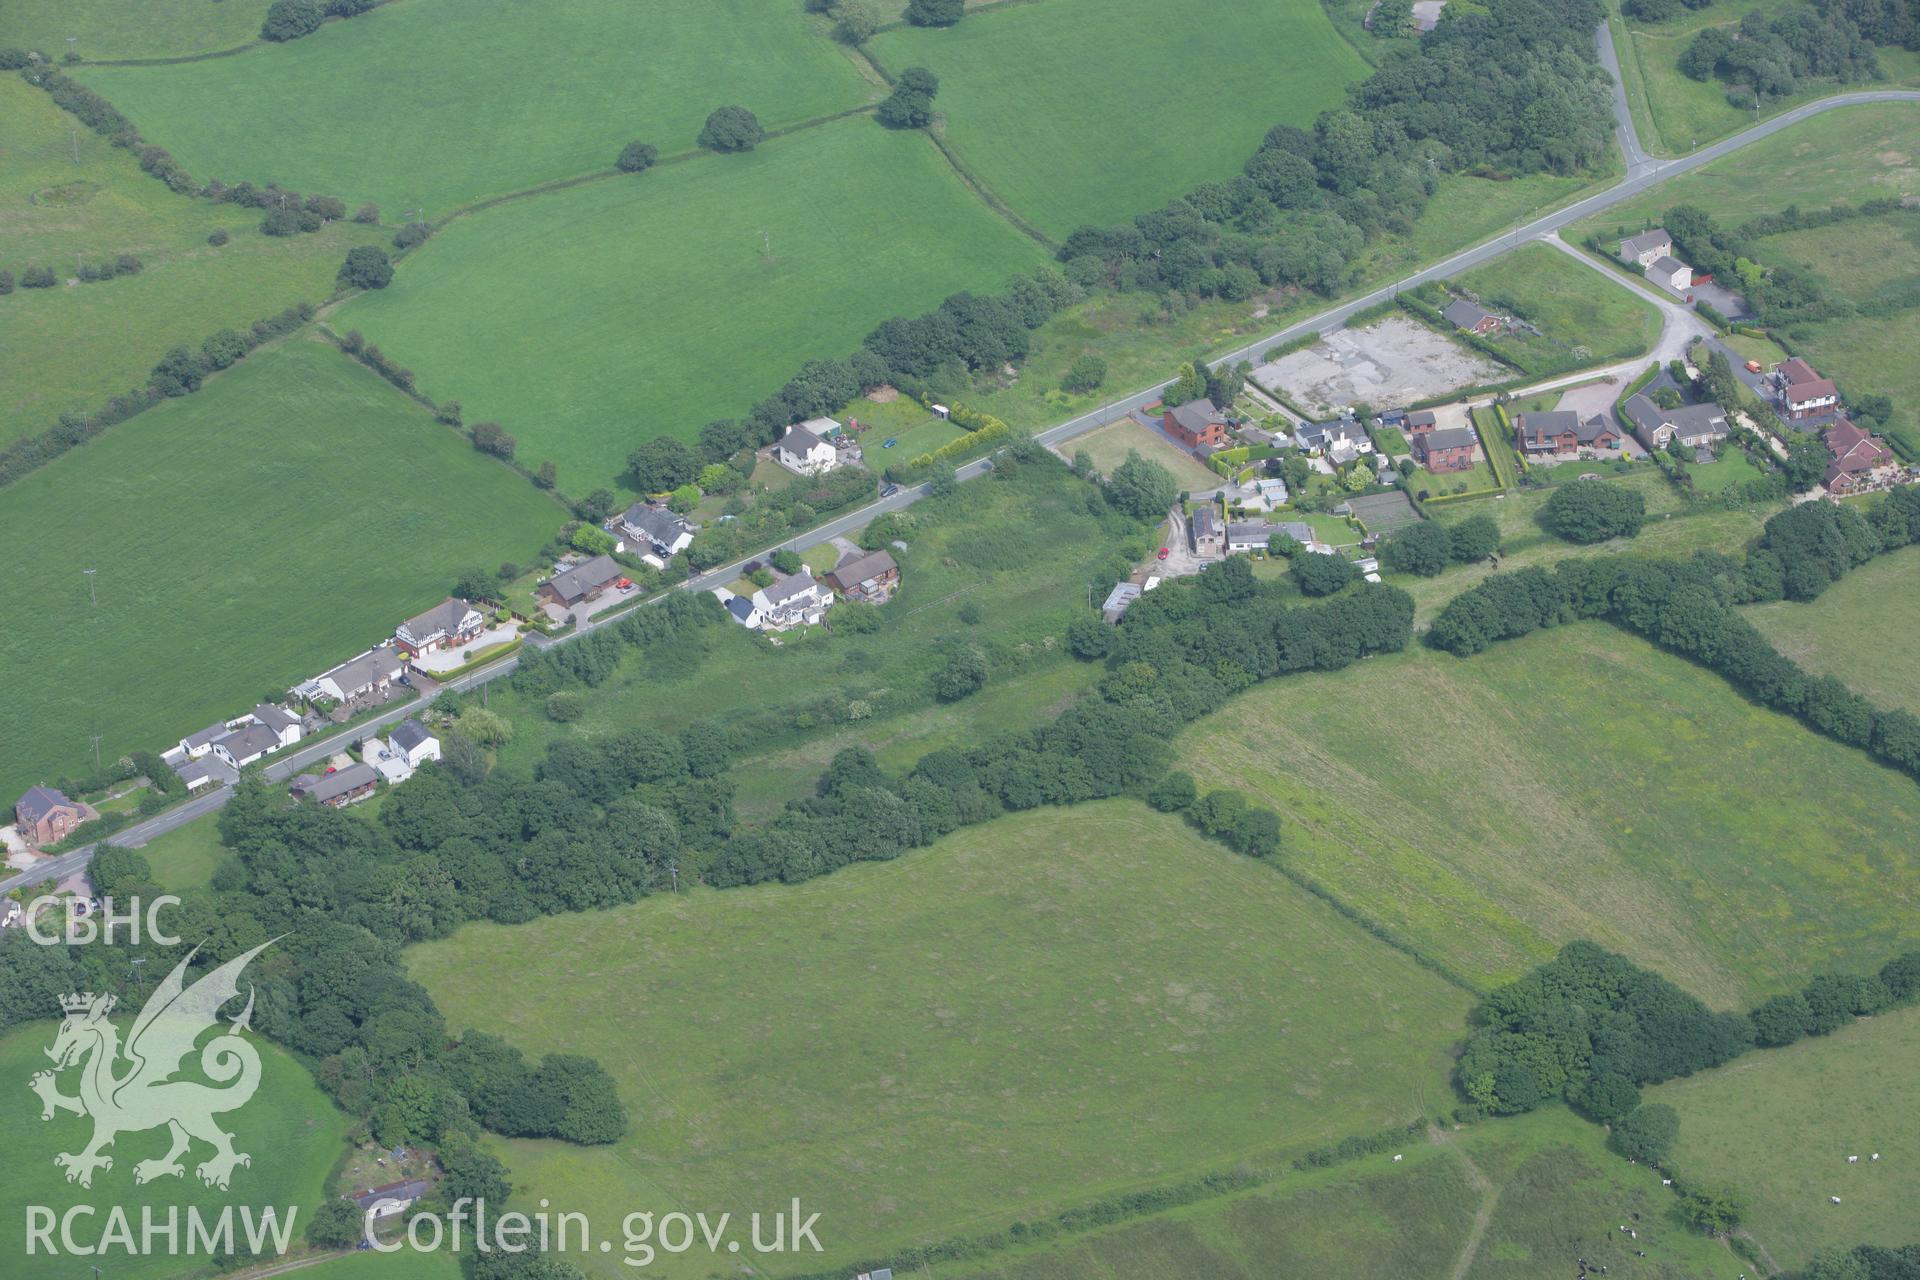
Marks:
<point>1205,524</point>
<point>783,589</point>
<point>364,671</point>
<point>1666,265</point>
<point>1450,438</point>
<point>1197,415</point>
<point>1654,239</point>
<point>351,778</point>
<point>858,567</point>
<point>1688,419</point>
<point>1464,314</point>
<point>577,582</point>
<point>206,737</point>
<point>39,801</point>
<point>408,734</point>
<point>254,740</point>
<point>740,607</point>
<point>657,524</point>
<point>799,440</point>
<point>1122,595</point>
<point>442,619</point>
<point>274,717</point>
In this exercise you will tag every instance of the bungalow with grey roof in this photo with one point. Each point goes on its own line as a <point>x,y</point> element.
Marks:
<point>243,746</point>
<point>868,577</point>
<point>340,788</point>
<point>1471,316</point>
<point>1698,426</point>
<point>653,531</point>
<point>372,672</point>
<point>198,744</point>
<point>582,583</point>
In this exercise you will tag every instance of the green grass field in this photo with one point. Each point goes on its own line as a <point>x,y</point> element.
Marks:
<point>184,859</point>
<point>66,191</point>
<point>1860,630</point>
<point>655,302</point>
<point>1109,446</point>
<point>456,78</point>
<point>249,536</point>
<point>1850,154</point>
<point>291,1130</point>
<point>1858,260</point>
<point>1580,783</point>
<point>1079,111</point>
<point>1675,114</point>
<point>1573,305</point>
<point>153,29</point>
<point>1779,1124</point>
<point>1028,1015</point>
<point>1551,1191</point>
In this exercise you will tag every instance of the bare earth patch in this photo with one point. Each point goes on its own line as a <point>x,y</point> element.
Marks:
<point>1386,365</point>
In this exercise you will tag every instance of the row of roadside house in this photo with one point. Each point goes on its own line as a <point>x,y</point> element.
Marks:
<point>800,599</point>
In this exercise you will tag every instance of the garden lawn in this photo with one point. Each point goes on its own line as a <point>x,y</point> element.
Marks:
<point>64,192</point>
<point>1091,111</point>
<point>291,1130</point>
<point>249,536</point>
<point>1732,467</point>
<point>1779,1124</point>
<point>184,859</point>
<point>1061,1004</point>
<point>589,320</point>
<point>1860,630</point>
<point>1109,446</point>
<point>469,99</point>
<point>1573,305</point>
<point>1546,1182</point>
<point>111,29</point>
<point>1579,783</point>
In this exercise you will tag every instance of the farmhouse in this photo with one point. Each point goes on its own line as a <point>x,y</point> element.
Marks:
<point>1646,248</point>
<point>807,449</point>
<point>1697,426</point>
<point>792,600</point>
<point>413,742</point>
<point>652,531</point>
<point>447,625</point>
<point>582,583</point>
<point>1562,431</point>
<point>372,672</point>
<point>1196,424</point>
<point>868,578</point>
<point>1204,533</point>
<point>243,746</point>
<point>1119,600</point>
<point>1446,448</point>
<point>1671,273</point>
<point>1471,316</point>
<point>45,816</point>
<point>340,788</point>
<point>1856,456</point>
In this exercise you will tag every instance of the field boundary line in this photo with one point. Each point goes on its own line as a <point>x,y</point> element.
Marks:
<point>988,196</point>
<point>256,43</point>
<point>901,24</point>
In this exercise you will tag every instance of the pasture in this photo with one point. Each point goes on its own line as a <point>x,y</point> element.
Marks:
<point>1860,630</point>
<point>1573,305</point>
<point>1022,552</point>
<point>1779,1124</point>
<point>1091,111</point>
<point>249,536</point>
<point>67,195</point>
<point>1550,1191</point>
<point>445,86</point>
<point>1026,1016</point>
<point>101,29</point>
<point>685,294</point>
<point>291,1130</point>
<point>1579,783</point>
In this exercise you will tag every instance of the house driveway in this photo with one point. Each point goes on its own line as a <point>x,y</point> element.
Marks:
<point>613,599</point>
<point>443,660</point>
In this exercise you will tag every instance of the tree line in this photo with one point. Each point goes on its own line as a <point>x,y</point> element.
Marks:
<point>1769,55</point>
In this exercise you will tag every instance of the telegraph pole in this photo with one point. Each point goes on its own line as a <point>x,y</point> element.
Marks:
<point>92,595</point>
<point>95,739</point>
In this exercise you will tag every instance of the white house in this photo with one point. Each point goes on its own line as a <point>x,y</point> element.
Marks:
<point>654,532</point>
<point>196,745</point>
<point>283,724</point>
<point>1669,272</point>
<point>448,625</point>
<point>243,746</point>
<point>792,600</point>
<point>1646,248</point>
<point>740,608</point>
<point>372,672</point>
<point>807,449</point>
<point>413,742</point>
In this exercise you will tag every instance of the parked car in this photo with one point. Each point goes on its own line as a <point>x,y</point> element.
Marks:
<point>1753,366</point>
<point>890,490</point>
<point>1163,554</point>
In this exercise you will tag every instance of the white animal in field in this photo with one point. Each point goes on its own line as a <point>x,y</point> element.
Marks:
<point>1853,1159</point>
<point>1397,1159</point>
<point>1876,1155</point>
<point>1835,1199</point>
<point>1666,1182</point>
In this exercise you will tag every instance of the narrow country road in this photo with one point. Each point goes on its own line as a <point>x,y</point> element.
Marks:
<point>1643,172</point>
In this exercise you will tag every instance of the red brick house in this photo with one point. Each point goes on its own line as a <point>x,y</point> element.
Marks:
<point>1446,449</point>
<point>1196,424</point>
<point>1420,422</point>
<point>868,577</point>
<point>1856,456</point>
<point>1562,431</point>
<point>44,816</point>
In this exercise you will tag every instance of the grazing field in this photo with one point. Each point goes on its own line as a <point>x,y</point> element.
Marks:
<point>1021,552</point>
<point>1860,630</point>
<point>686,294</point>
<point>249,536</point>
<point>1864,260</point>
<point>1078,111</point>
<point>1551,1191</point>
<point>1580,783</point>
<point>291,1130</point>
<point>1779,1124</point>
<point>1850,155</point>
<point>1573,305</point>
<point>100,29</point>
<point>1676,113</point>
<point>65,193</point>
<point>1060,1004</point>
<point>454,79</point>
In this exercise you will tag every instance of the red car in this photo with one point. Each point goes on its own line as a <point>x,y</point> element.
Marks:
<point>1163,553</point>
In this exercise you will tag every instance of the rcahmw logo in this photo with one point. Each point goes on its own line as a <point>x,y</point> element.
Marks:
<point>131,1088</point>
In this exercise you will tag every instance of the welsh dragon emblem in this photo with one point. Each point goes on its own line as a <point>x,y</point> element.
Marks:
<point>130,1088</point>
